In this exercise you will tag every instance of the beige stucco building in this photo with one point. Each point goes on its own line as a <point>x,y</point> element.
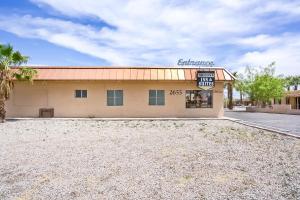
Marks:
<point>292,98</point>
<point>289,103</point>
<point>118,92</point>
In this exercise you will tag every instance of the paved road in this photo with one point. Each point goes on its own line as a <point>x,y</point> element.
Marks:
<point>290,123</point>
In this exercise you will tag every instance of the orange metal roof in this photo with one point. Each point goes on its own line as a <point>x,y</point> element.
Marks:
<point>128,73</point>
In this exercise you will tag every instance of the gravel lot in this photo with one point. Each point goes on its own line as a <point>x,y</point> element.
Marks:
<point>191,159</point>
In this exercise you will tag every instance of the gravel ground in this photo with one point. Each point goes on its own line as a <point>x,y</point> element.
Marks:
<point>190,159</point>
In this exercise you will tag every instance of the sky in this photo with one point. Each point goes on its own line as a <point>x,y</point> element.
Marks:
<point>232,33</point>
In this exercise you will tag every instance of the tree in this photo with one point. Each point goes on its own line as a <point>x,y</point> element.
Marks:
<point>240,85</point>
<point>230,95</point>
<point>288,81</point>
<point>263,85</point>
<point>8,75</point>
<point>251,73</point>
<point>296,82</point>
<point>292,81</point>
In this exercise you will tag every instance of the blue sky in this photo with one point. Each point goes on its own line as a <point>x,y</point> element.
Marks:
<point>232,33</point>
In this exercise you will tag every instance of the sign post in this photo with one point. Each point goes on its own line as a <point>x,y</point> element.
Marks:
<point>206,79</point>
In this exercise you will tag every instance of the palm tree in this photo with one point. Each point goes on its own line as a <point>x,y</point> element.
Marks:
<point>8,58</point>
<point>292,81</point>
<point>239,85</point>
<point>230,96</point>
<point>296,82</point>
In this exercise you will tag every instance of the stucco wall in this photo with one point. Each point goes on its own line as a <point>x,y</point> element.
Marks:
<point>27,99</point>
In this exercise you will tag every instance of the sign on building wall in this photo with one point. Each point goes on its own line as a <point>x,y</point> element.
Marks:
<point>189,62</point>
<point>205,79</point>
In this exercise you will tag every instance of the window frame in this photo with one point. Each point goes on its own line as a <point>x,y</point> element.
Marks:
<point>114,98</point>
<point>156,98</point>
<point>198,93</point>
<point>81,92</point>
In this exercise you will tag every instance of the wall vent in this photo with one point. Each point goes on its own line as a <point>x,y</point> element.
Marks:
<point>46,112</point>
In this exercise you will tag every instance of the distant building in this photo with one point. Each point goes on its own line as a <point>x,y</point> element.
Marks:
<point>291,97</point>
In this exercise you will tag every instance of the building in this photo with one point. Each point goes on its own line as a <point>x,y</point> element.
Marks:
<point>120,92</point>
<point>290,102</point>
<point>293,98</point>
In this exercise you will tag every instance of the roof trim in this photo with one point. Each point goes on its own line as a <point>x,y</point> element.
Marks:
<point>116,67</point>
<point>127,73</point>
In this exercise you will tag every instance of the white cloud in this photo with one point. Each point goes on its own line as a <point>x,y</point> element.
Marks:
<point>160,32</point>
<point>261,40</point>
<point>287,59</point>
<point>289,8</point>
<point>283,49</point>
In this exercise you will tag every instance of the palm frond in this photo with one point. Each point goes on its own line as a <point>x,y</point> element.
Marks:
<point>18,58</point>
<point>10,57</point>
<point>25,73</point>
<point>6,51</point>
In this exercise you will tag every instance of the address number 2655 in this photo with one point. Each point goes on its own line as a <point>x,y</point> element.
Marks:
<point>175,92</point>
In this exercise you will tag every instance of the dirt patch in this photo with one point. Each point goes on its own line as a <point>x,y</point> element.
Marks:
<point>188,159</point>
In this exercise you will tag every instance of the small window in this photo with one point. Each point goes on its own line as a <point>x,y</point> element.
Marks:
<point>156,97</point>
<point>115,97</point>
<point>81,93</point>
<point>198,99</point>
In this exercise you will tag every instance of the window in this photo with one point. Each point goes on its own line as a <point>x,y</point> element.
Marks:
<point>115,97</point>
<point>80,93</point>
<point>198,98</point>
<point>156,97</point>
